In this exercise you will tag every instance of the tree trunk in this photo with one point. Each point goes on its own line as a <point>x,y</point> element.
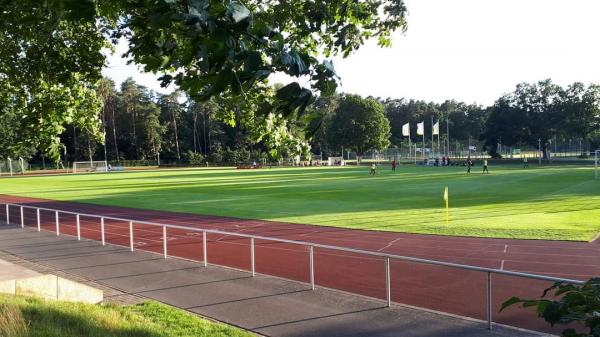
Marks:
<point>74,144</point>
<point>114,129</point>
<point>176,136</point>
<point>194,119</point>
<point>135,151</point>
<point>206,144</point>
<point>89,144</point>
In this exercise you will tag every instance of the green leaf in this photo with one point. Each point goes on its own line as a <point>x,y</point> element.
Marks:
<point>237,11</point>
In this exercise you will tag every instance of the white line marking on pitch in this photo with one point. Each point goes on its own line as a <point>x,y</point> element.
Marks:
<point>502,265</point>
<point>505,248</point>
<point>389,244</point>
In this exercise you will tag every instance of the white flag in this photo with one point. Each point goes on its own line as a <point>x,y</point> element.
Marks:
<point>406,130</point>
<point>421,128</point>
<point>436,128</point>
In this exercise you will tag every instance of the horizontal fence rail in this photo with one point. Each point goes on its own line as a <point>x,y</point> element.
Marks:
<point>311,246</point>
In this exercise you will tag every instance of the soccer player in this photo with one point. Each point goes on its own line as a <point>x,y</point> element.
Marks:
<point>469,164</point>
<point>525,163</point>
<point>394,164</point>
<point>485,167</point>
<point>373,169</point>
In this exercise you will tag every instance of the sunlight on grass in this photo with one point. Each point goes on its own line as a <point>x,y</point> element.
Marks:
<point>556,203</point>
<point>21,316</point>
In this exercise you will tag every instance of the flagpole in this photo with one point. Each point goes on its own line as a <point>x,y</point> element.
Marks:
<point>409,146</point>
<point>423,148</point>
<point>432,136</point>
<point>415,154</point>
<point>438,134</point>
<point>448,133</point>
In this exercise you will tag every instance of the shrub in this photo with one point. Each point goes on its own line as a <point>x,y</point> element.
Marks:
<point>578,304</point>
<point>195,158</point>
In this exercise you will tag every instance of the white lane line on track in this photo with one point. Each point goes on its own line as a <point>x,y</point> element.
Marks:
<point>502,265</point>
<point>389,244</point>
<point>505,248</point>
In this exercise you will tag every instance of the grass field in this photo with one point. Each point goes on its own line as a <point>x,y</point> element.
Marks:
<point>556,203</point>
<point>30,317</point>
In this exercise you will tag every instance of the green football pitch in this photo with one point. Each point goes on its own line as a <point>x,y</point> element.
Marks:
<point>556,203</point>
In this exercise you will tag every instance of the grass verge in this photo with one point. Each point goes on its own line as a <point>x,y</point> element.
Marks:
<point>32,317</point>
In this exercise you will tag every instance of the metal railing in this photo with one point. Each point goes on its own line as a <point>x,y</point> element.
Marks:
<point>311,246</point>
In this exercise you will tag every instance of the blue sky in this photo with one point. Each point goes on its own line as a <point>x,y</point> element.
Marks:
<point>469,50</point>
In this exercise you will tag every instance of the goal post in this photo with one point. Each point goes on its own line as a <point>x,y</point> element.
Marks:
<point>335,161</point>
<point>12,167</point>
<point>90,166</point>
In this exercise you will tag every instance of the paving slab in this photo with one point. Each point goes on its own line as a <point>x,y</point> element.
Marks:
<point>10,271</point>
<point>265,305</point>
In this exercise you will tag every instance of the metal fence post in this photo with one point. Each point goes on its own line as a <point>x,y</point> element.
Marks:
<point>165,241</point>
<point>57,223</point>
<point>131,236</point>
<point>489,300</point>
<point>102,231</point>
<point>78,228</point>
<point>22,218</point>
<point>39,223</point>
<point>252,256</point>
<point>204,242</point>
<point>388,285</point>
<point>312,267</point>
<point>7,214</point>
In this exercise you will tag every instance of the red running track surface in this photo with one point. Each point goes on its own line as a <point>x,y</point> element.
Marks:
<point>445,289</point>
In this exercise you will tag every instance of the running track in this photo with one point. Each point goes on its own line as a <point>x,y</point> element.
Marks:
<point>455,291</point>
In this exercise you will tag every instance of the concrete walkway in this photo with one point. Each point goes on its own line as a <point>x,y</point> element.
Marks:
<point>262,304</point>
<point>11,271</point>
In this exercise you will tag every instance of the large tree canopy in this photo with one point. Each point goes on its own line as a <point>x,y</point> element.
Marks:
<point>536,113</point>
<point>48,61</point>
<point>359,124</point>
<point>209,48</point>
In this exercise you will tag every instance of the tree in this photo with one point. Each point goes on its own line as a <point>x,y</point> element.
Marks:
<point>580,107</point>
<point>324,110</point>
<point>359,124</point>
<point>108,96</point>
<point>536,113</point>
<point>171,111</point>
<point>49,63</point>
<point>505,122</point>
<point>209,48</point>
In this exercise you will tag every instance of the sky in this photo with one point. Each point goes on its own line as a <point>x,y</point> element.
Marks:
<point>469,50</point>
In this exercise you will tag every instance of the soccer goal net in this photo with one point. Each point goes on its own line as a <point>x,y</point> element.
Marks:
<point>335,161</point>
<point>90,166</point>
<point>13,166</point>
